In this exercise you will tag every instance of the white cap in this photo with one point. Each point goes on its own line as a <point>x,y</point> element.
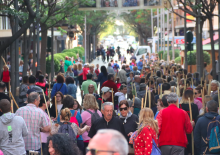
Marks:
<point>106,89</point>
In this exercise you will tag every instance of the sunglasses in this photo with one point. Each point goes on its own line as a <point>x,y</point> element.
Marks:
<point>195,93</point>
<point>94,151</point>
<point>126,108</point>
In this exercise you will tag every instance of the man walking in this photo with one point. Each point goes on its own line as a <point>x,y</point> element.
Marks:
<point>35,121</point>
<point>174,124</point>
<point>85,84</point>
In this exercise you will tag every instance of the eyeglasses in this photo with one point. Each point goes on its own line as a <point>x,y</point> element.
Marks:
<point>94,151</point>
<point>126,108</point>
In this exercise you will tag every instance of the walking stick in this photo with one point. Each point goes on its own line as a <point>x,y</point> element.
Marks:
<point>190,110</point>
<point>133,100</point>
<point>47,106</point>
<point>9,90</point>
<point>209,87</point>
<point>149,99</point>
<point>218,99</point>
<point>12,107</point>
<point>56,106</point>
<point>146,96</point>
<point>142,102</point>
<point>135,90</point>
<point>14,100</point>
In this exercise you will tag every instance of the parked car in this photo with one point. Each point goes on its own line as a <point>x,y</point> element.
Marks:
<point>140,51</point>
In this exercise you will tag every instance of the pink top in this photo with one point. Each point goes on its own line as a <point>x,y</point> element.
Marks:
<point>1,153</point>
<point>44,135</point>
<point>86,119</point>
<point>198,102</point>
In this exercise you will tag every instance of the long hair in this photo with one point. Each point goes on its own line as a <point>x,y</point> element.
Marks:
<point>104,70</point>
<point>61,94</point>
<point>146,117</point>
<point>89,102</point>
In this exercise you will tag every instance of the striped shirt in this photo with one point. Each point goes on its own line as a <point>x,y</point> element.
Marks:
<point>34,119</point>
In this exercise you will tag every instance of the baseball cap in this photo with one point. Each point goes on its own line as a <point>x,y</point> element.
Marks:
<point>30,91</point>
<point>106,89</point>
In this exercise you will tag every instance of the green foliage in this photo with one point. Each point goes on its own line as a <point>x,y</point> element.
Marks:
<point>191,57</point>
<point>178,59</point>
<point>75,50</point>
<point>56,65</point>
<point>70,54</point>
<point>159,53</point>
<point>177,53</point>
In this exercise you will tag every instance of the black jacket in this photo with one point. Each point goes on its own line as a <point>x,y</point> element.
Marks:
<point>200,132</point>
<point>115,123</point>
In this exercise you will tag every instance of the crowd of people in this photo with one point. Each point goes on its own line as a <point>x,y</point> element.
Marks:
<point>147,107</point>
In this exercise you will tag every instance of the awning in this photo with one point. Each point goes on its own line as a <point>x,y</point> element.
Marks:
<point>207,41</point>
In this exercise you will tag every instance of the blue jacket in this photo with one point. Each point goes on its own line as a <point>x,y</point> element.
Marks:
<point>101,78</point>
<point>200,132</point>
<point>57,87</point>
<point>71,90</point>
<point>140,65</point>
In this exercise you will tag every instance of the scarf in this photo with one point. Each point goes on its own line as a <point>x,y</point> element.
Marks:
<point>128,115</point>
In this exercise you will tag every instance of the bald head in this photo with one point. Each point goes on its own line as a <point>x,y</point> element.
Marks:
<point>114,141</point>
<point>91,88</point>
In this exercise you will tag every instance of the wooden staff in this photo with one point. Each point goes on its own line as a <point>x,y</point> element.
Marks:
<point>47,106</point>
<point>142,103</point>
<point>149,99</point>
<point>135,90</point>
<point>203,98</point>
<point>56,105</point>
<point>155,90</point>
<point>12,107</point>
<point>205,85</point>
<point>14,100</point>
<point>178,88</point>
<point>112,96</point>
<point>190,110</point>
<point>146,96</point>
<point>4,60</point>
<point>132,86</point>
<point>192,82</point>
<point>209,87</point>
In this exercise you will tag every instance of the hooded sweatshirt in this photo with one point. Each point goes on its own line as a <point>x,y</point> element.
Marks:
<point>121,96</point>
<point>12,131</point>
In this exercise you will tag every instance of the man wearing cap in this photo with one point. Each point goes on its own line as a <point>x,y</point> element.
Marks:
<point>174,124</point>
<point>140,64</point>
<point>106,93</point>
<point>107,121</point>
<point>111,84</point>
<point>142,91</point>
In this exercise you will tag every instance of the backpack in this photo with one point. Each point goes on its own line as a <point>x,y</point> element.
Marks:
<point>94,116</point>
<point>213,135</point>
<point>67,129</point>
<point>155,149</point>
<point>116,102</point>
<point>74,120</point>
<point>115,66</point>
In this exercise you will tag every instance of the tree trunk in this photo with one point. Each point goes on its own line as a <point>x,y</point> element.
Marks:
<point>43,48</point>
<point>34,51</point>
<point>25,54</point>
<point>212,48</point>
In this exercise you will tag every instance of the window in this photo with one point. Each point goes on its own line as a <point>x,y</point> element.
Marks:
<point>142,51</point>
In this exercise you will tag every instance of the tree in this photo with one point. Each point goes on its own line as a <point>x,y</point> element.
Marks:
<point>26,15</point>
<point>140,22</point>
<point>202,10</point>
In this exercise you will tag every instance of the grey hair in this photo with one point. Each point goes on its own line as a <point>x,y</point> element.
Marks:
<point>118,143</point>
<point>107,103</point>
<point>212,106</point>
<point>172,98</point>
<point>32,97</point>
<point>173,88</point>
<point>215,82</point>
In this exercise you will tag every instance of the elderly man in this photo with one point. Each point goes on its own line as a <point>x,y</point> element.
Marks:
<point>91,90</point>
<point>110,70</point>
<point>35,121</point>
<point>108,121</point>
<point>113,143</point>
<point>174,124</point>
<point>85,84</point>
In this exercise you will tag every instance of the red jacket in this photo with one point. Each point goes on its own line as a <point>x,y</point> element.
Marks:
<point>5,76</point>
<point>174,124</point>
<point>97,72</point>
<point>110,84</point>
